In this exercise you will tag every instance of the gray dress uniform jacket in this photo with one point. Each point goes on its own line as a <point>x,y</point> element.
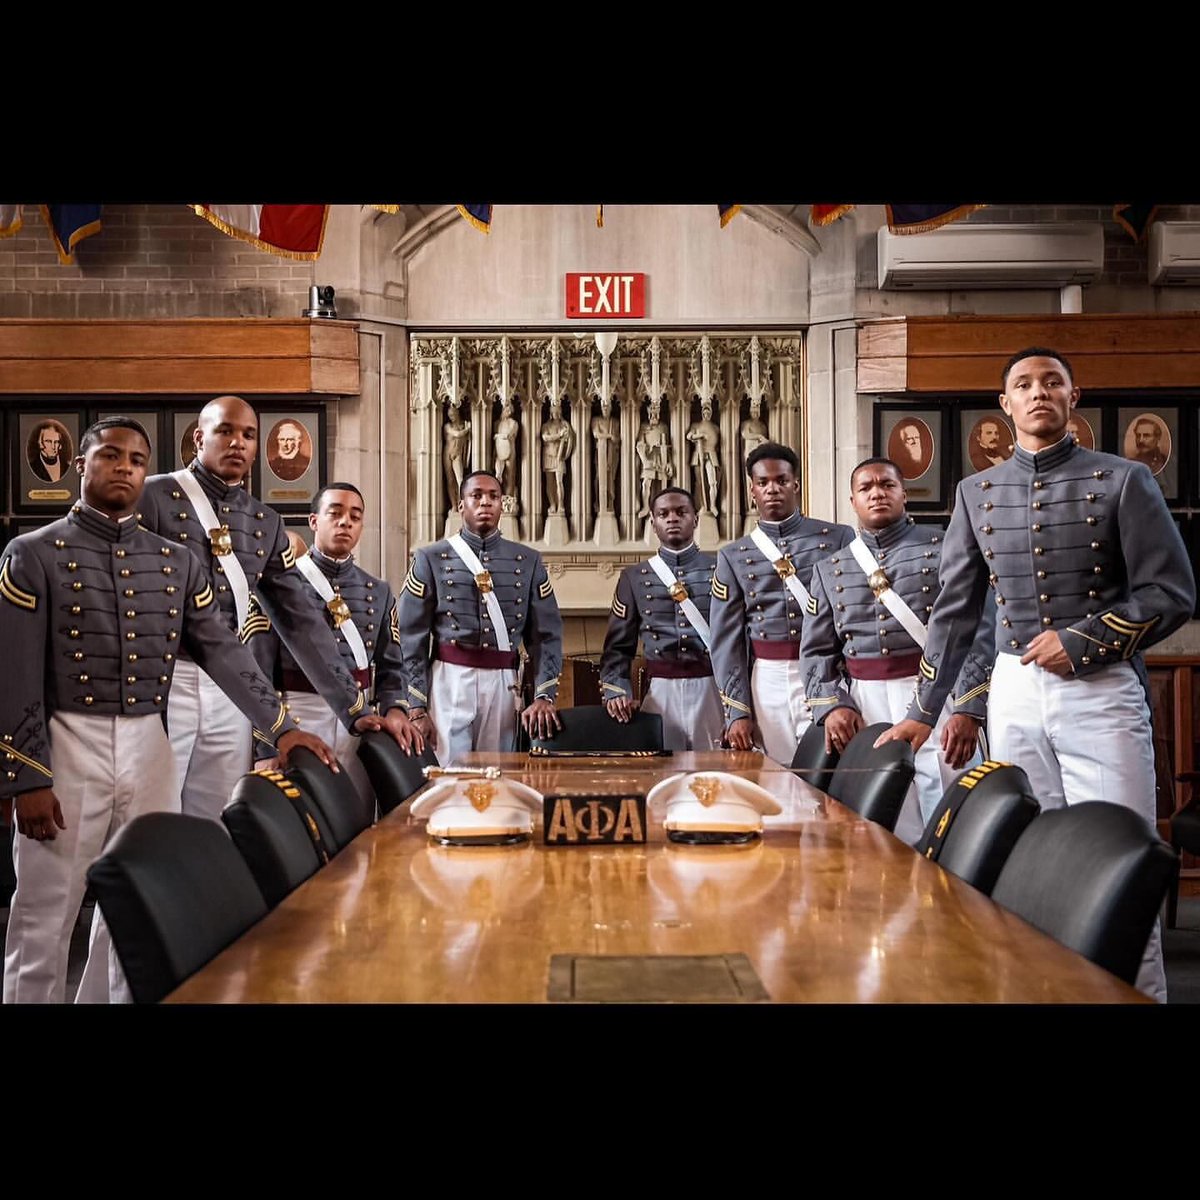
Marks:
<point>751,603</point>
<point>642,607</point>
<point>92,615</point>
<point>1070,540</point>
<point>279,596</point>
<point>440,606</point>
<point>848,631</point>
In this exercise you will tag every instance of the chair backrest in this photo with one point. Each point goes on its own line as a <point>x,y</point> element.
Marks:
<point>1093,876</point>
<point>589,727</point>
<point>346,812</point>
<point>812,762</point>
<point>174,892</point>
<point>276,833</point>
<point>976,825</point>
<point>873,782</point>
<point>394,775</point>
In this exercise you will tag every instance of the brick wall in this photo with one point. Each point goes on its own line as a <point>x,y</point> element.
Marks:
<point>148,260</point>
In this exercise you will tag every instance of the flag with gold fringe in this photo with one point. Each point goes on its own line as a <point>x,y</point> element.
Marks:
<point>10,219</point>
<point>69,224</point>
<point>1134,218</point>
<point>727,212</point>
<point>901,218</point>
<point>288,230</point>
<point>480,215</point>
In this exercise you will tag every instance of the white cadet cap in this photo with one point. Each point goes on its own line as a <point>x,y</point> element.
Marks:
<point>478,882</point>
<point>712,802</point>
<point>478,808</point>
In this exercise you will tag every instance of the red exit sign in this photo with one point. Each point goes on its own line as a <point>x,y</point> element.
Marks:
<point>610,295</point>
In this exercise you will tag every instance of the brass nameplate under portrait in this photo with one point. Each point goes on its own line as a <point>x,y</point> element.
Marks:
<point>339,610</point>
<point>784,567</point>
<point>878,582</point>
<point>678,591</point>
<point>593,820</point>
<point>483,581</point>
<point>222,542</point>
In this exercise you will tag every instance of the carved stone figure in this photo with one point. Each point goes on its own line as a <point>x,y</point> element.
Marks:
<point>507,430</point>
<point>706,474</point>
<point>558,444</point>
<point>606,430</point>
<point>456,451</point>
<point>654,453</point>
<point>753,433</point>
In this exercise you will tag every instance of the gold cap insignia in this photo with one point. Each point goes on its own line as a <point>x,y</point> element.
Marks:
<point>706,789</point>
<point>678,591</point>
<point>339,610</point>
<point>784,567</point>
<point>878,582</point>
<point>222,543</point>
<point>481,795</point>
<point>483,581</point>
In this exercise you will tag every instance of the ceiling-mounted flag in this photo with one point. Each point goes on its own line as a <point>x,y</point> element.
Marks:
<point>727,212</point>
<point>480,215</point>
<point>69,224</point>
<point>901,218</point>
<point>10,219</point>
<point>1134,218</point>
<point>826,214</point>
<point>289,230</point>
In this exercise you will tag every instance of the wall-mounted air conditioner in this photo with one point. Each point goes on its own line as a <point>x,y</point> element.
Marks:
<point>991,256</point>
<point>1174,255</point>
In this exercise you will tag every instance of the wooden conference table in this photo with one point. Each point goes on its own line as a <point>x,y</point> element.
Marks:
<point>824,908</point>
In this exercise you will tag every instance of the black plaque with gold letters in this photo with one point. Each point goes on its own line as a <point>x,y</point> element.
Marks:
<point>584,820</point>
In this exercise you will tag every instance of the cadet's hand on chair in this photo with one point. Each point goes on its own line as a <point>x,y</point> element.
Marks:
<point>742,734</point>
<point>422,722</point>
<point>405,732</point>
<point>840,726</point>
<point>294,738</point>
<point>621,708</point>
<point>960,739</point>
<point>540,719</point>
<point>915,733</point>
<point>37,814</point>
<point>1046,650</point>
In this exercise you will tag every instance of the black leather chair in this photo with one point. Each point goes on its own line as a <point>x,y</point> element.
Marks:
<point>275,830</point>
<point>394,775</point>
<point>589,727</point>
<point>346,813</point>
<point>1185,835</point>
<point>981,816</point>
<point>812,762</point>
<point>873,782</point>
<point>174,892</point>
<point>1093,876</point>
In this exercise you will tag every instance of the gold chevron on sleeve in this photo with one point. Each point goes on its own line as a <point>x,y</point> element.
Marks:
<point>545,588</point>
<point>618,609</point>
<point>203,598</point>
<point>394,622</point>
<point>975,691</point>
<point>811,606</point>
<point>14,594</point>
<point>1133,630</point>
<point>288,555</point>
<point>413,584</point>
<point>928,669</point>
<point>720,590</point>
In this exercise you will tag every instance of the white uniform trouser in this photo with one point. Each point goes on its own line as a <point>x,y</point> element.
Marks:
<point>472,708</point>
<point>690,710</point>
<point>315,716</point>
<point>210,738</point>
<point>779,708</point>
<point>107,770</point>
<point>889,700</point>
<point>1080,739</point>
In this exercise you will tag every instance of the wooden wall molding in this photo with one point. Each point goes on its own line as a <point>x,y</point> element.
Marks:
<point>966,354</point>
<point>146,357</point>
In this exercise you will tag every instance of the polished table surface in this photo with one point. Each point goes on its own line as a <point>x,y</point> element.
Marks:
<point>825,908</point>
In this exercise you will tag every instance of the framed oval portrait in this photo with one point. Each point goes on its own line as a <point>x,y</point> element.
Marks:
<point>187,444</point>
<point>42,448</point>
<point>289,449</point>
<point>1148,440</point>
<point>49,449</point>
<point>1082,430</point>
<point>989,441</point>
<point>911,446</point>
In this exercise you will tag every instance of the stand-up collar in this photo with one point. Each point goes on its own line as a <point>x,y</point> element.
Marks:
<point>782,529</point>
<point>94,521</point>
<point>332,568</point>
<point>887,537</point>
<point>1052,456</point>
<point>477,543</point>
<point>214,487</point>
<point>679,558</point>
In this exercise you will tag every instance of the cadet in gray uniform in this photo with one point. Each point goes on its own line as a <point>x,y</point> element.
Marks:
<point>360,610</point>
<point>864,632</point>
<point>241,543</point>
<point>665,601</point>
<point>1088,570</point>
<point>759,591</point>
<point>467,602</point>
<point>93,612</point>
